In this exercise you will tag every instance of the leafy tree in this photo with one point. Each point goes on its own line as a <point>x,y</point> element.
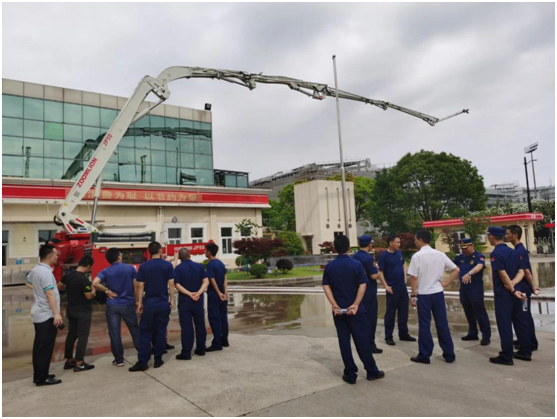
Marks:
<point>256,248</point>
<point>282,214</point>
<point>292,243</point>
<point>475,227</point>
<point>247,227</point>
<point>450,237</point>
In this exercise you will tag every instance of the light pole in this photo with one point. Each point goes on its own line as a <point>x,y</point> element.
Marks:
<point>530,149</point>
<point>527,186</point>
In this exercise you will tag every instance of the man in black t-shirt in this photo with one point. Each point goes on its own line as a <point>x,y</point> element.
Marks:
<point>79,293</point>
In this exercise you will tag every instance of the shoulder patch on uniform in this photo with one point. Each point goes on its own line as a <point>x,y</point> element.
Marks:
<point>492,259</point>
<point>482,259</point>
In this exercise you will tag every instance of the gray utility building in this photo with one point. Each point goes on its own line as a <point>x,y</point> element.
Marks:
<point>511,192</point>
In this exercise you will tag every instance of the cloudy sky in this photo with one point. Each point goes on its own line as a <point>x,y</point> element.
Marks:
<point>498,60</point>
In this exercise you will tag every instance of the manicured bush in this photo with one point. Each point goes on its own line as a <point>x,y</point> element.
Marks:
<point>292,242</point>
<point>256,249</point>
<point>284,265</point>
<point>240,261</point>
<point>258,270</point>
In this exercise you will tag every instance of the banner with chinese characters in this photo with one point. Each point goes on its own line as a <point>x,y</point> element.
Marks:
<point>157,196</point>
<point>194,248</point>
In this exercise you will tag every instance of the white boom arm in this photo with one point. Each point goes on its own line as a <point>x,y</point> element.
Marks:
<point>159,86</point>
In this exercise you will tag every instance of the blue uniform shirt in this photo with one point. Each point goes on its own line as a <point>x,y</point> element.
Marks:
<point>344,275</point>
<point>216,270</point>
<point>392,266</point>
<point>503,258</point>
<point>367,262</point>
<point>118,278</point>
<point>190,275</point>
<point>155,273</point>
<point>524,263</point>
<point>466,264</point>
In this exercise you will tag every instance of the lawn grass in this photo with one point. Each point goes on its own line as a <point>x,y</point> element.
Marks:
<point>234,275</point>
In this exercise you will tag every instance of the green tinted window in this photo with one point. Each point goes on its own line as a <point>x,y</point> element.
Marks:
<point>126,155</point>
<point>172,144</point>
<point>110,172</point>
<point>143,173</point>
<point>171,122</point>
<point>204,177</point>
<point>12,106</point>
<point>127,141</point>
<point>205,129</point>
<point>33,128</point>
<point>12,145</point>
<point>143,122</point>
<point>127,173</point>
<point>53,111</point>
<point>186,123</point>
<point>142,156</point>
<point>172,175</point>
<point>33,147</point>
<point>73,151</point>
<point>35,169</point>
<point>186,144</point>
<point>203,147</point>
<point>107,117</point>
<point>186,160</point>
<point>158,158</point>
<point>91,116</point>
<point>230,181</point>
<point>242,181</point>
<point>12,166</point>
<point>90,133</point>
<point>54,149</point>
<point>53,131</point>
<point>73,133</point>
<point>187,177</point>
<point>157,121</point>
<point>203,162</point>
<point>143,141</point>
<point>158,174</point>
<point>33,109</point>
<point>172,159</point>
<point>158,142</point>
<point>53,168</point>
<point>12,126</point>
<point>72,114</point>
<point>72,169</point>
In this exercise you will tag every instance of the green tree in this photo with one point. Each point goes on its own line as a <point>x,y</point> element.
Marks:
<point>476,226</point>
<point>282,214</point>
<point>292,243</point>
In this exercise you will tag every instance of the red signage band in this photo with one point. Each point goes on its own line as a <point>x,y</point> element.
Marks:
<point>534,216</point>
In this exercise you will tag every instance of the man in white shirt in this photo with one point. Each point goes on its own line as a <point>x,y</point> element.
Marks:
<point>427,268</point>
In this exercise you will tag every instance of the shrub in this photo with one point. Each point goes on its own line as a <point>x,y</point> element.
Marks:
<point>327,248</point>
<point>451,255</point>
<point>292,242</point>
<point>284,265</point>
<point>258,270</point>
<point>256,249</point>
<point>240,261</point>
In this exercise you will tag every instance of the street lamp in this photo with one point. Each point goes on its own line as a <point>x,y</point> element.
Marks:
<point>530,149</point>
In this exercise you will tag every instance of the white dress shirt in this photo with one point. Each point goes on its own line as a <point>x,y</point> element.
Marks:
<point>429,266</point>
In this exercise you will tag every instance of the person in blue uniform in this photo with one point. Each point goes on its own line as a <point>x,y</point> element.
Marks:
<point>217,294</point>
<point>156,278</point>
<point>345,283</point>
<point>507,279</point>
<point>370,298</point>
<point>392,274</point>
<point>191,282</point>
<point>471,264</point>
<point>513,236</point>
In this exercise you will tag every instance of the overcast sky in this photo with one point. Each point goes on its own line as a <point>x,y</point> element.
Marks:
<point>498,60</point>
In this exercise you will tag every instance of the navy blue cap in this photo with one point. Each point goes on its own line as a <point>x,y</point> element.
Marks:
<point>465,242</point>
<point>496,231</point>
<point>365,240</point>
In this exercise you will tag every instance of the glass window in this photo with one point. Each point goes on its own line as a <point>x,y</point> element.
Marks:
<point>73,133</point>
<point>127,173</point>
<point>196,234</point>
<point>203,147</point>
<point>12,106</point>
<point>204,177</point>
<point>12,166</point>
<point>171,122</point>
<point>107,117</point>
<point>113,157</point>
<point>172,175</point>
<point>158,158</point>
<point>46,235</point>
<point>12,145</point>
<point>175,235</point>
<point>33,129</point>
<point>90,133</point>
<point>126,155</point>
<point>12,126</point>
<point>172,144</point>
<point>143,157</point>
<point>158,142</point>
<point>230,181</point>
<point>203,162</point>
<point>110,172</point>
<point>142,141</point>
<point>5,234</point>
<point>186,123</point>
<point>72,169</point>
<point>33,147</point>
<point>53,131</point>
<point>143,122</point>
<point>34,169</point>
<point>186,144</point>
<point>127,140</point>
<point>33,109</point>
<point>72,114</point>
<point>73,151</point>
<point>53,111</point>
<point>186,160</point>
<point>143,173</point>
<point>172,159</point>
<point>205,129</point>
<point>91,116</point>
<point>158,174</point>
<point>187,177</point>
<point>157,121</point>
<point>242,181</point>
<point>53,168</point>
<point>226,239</point>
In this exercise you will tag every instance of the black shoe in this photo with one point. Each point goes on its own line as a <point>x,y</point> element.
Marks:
<point>376,376</point>
<point>183,357</point>
<point>500,361</point>
<point>212,349</point>
<point>48,376</point>
<point>390,341</point>
<point>49,382</point>
<point>169,347</point>
<point>468,337</point>
<point>346,380</point>
<point>449,360</point>
<point>69,365</point>
<point>200,353</point>
<point>420,360</point>
<point>377,351</point>
<point>139,367</point>
<point>485,342</point>
<point>407,338</point>
<point>225,343</point>
<point>159,364</point>
<point>83,367</point>
<point>517,347</point>
<point>522,357</point>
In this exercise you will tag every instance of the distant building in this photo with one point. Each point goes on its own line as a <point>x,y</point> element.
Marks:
<point>513,193</point>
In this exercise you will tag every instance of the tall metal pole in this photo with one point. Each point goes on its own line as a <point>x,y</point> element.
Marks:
<point>527,186</point>
<point>343,180</point>
<point>534,175</point>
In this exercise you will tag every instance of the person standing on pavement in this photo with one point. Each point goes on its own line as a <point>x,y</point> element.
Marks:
<point>119,283</point>
<point>427,269</point>
<point>507,279</point>
<point>471,264</point>
<point>392,274</point>
<point>79,293</point>
<point>217,293</point>
<point>45,313</point>
<point>191,282</point>
<point>370,299</point>
<point>513,236</point>
<point>345,283</point>
<point>156,278</point>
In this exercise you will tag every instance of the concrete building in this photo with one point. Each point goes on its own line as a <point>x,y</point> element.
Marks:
<point>320,213</point>
<point>513,193</point>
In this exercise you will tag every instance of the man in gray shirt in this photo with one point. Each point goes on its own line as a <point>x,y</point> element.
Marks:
<point>45,312</point>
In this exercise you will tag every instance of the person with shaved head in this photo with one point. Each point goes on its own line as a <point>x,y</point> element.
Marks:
<point>191,282</point>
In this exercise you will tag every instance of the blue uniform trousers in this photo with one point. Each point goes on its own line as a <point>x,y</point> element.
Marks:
<point>191,312</point>
<point>428,304</point>
<point>357,327</point>
<point>472,301</point>
<point>397,301</point>
<point>531,326</point>
<point>508,312</point>
<point>218,319</point>
<point>152,327</point>
<point>372,309</point>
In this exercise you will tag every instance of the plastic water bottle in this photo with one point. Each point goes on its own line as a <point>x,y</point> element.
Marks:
<point>524,303</point>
